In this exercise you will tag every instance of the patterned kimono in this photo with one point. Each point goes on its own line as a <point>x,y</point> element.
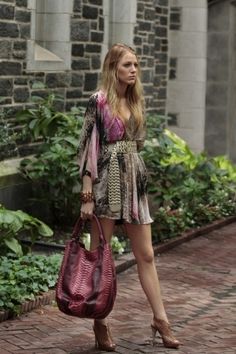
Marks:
<point>99,136</point>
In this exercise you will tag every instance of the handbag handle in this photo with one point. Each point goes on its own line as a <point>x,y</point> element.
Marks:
<point>79,226</point>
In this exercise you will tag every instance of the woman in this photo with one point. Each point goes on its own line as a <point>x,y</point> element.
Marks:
<point>114,177</point>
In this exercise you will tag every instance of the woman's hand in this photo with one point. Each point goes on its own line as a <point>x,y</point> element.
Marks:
<point>86,211</point>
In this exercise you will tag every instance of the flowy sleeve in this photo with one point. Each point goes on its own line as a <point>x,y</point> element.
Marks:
<point>89,141</point>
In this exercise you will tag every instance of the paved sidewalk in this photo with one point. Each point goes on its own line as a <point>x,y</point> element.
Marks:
<point>198,287</point>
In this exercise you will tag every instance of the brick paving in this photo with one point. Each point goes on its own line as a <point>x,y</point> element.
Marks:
<point>198,287</point>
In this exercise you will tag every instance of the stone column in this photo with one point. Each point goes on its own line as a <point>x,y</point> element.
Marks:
<point>123,21</point>
<point>187,76</point>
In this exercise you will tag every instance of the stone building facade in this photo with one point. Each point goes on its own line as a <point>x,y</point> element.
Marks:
<point>58,46</point>
<point>186,49</point>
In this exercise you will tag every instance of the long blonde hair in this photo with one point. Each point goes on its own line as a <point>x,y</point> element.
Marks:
<point>134,93</point>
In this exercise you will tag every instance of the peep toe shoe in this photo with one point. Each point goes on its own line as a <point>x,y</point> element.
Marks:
<point>103,338</point>
<point>164,330</point>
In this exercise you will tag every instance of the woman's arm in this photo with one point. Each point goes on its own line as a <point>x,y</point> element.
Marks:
<point>87,208</point>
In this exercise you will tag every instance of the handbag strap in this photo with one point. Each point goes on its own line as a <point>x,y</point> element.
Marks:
<point>79,226</point>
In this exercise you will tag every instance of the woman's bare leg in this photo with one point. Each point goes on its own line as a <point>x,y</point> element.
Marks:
<point>107,227</point>
<point>141,243</point>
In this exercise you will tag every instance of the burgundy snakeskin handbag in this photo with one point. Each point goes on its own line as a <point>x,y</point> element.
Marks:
<point>86,285</point>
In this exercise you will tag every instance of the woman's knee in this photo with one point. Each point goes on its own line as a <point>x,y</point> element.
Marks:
<point>145,256</point>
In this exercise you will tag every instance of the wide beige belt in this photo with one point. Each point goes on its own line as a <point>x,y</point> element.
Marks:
<point>114,186</point>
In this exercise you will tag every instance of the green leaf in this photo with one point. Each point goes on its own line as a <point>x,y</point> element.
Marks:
<point>44,230</point>
<point>14,245</point>
<point>37,85</point>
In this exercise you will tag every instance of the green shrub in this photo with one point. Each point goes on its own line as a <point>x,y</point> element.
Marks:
<point>14,224</point>
<point>23,278</point>
<point>54,171</point>
<point>179,179</point>
<point>203,188</point>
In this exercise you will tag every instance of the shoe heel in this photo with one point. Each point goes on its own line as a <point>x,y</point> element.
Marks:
<point>163,328</point>
<point>103,339</point>
<point>154,332</point>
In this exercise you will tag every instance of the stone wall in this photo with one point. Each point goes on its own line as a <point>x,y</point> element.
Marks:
<point>151,42</point>
<point>18,84</point>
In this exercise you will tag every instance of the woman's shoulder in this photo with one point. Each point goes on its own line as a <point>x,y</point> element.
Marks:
<point>98,98</point>
<point>98,95</point>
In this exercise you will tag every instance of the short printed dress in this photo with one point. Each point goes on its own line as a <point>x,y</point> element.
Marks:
<point>100,130</point>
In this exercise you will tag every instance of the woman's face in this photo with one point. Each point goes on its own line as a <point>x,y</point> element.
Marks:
<point>127,69</point>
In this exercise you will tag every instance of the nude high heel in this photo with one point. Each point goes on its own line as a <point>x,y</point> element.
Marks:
<point>164,330</point>
<point>103,338</point>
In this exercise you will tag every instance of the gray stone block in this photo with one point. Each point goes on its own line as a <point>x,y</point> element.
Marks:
<point>19,54</point>
<point>6,87</point>
<point>10,68</point>
<point>91,81</point>
<point>21,3</point>
<point>77,6</point>
<point>77,80</point>
<point>78,50</point>
<point>148,89</point>
<point>6,12</point>
<point>21,81</point>
<point>93,48</point>
<point>157,44</point>
<point>97,36</point>
<point>161,69</point>
<point>23,16</point>
<point>5,49</point>
<point>147,75</point>
<point>140,7</point>
<point>150,63</point>
<point>101,24</point>
<point>24,31</point>
<point>74,93</point>
<point>145,26</point>
<point>96,62</point>
<point>80,64</point>
<point>54,80</point>
<point>9,30</point>
<point>161,32</point>
<point>39,93</point>
<point>149,14</point>
<point>90,12</point>
<point>80,31</point>
<point>162,93</point>
<point>163,2</point>
<point>137,40</point>
<point>96,2</point>
<point>151,38</point>
<point>163,20</point>
<point>20,45</point>
<point>21,94</point>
